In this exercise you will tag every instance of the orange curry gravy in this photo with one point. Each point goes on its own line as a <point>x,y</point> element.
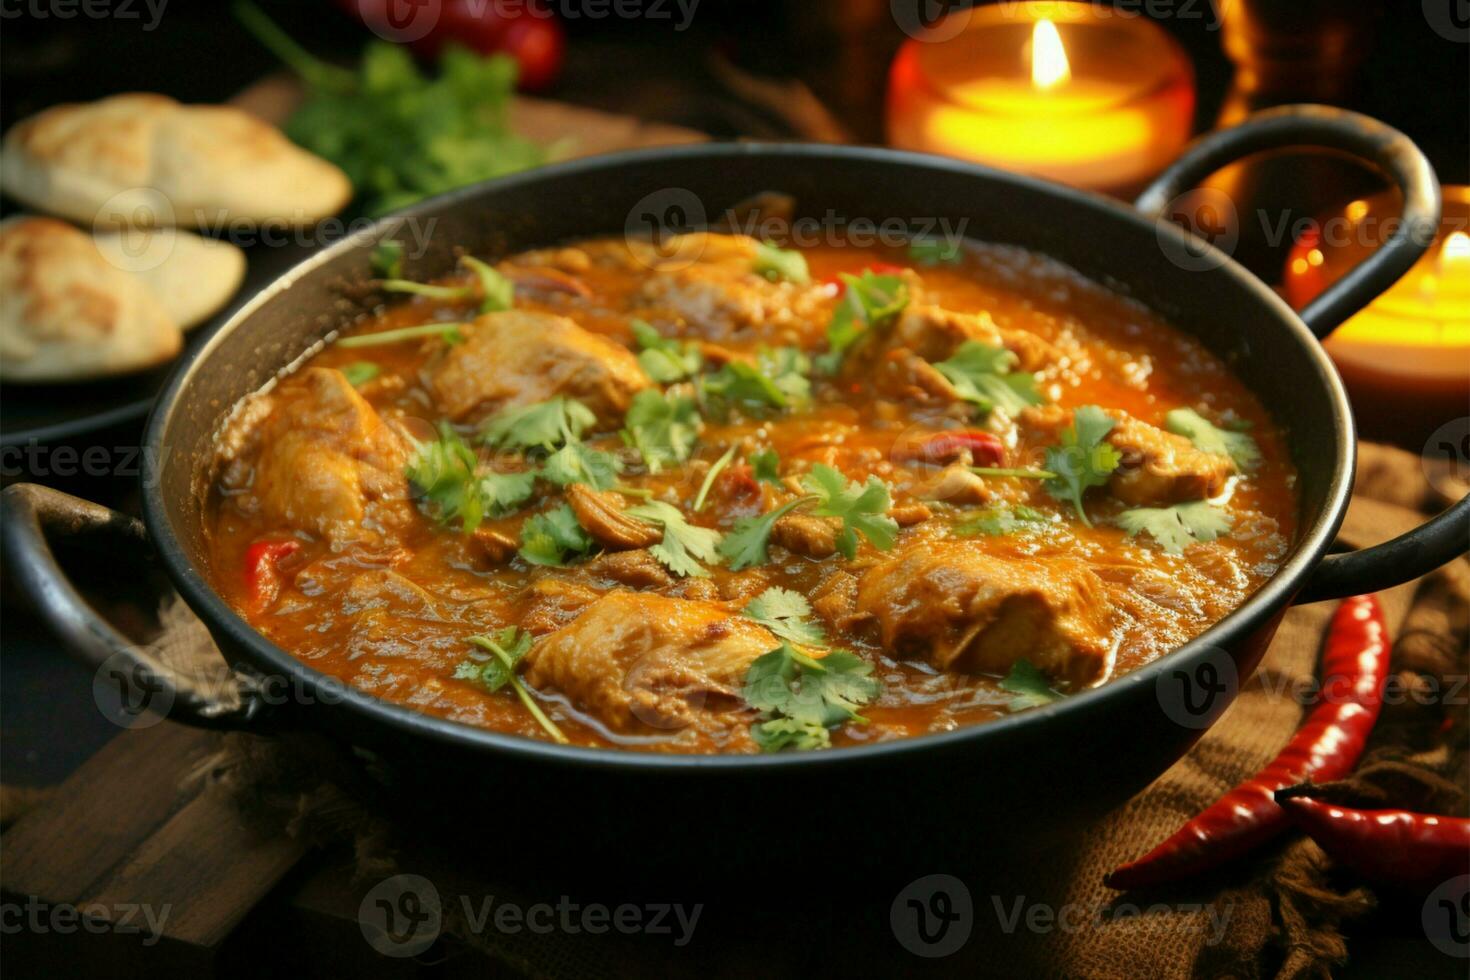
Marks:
<point>388,610</point>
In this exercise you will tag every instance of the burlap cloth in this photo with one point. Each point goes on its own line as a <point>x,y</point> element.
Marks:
<point>1278,913</point>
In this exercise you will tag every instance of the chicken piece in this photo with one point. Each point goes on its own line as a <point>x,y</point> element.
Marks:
<point>329,465</point>
<point>835,601</point>
<point>636,569</point>
<point>934,334</point>
<point>814,537</point>
<point>1158,468</point>
<point>601,514</point>
<point>710,281</point>
<point>517,358</point>
<point>963,610</point>
<point>489,546</point>
<point>909,514</point>
<point>640,661</point>
<point>955,484</point>
<point>551,603</point>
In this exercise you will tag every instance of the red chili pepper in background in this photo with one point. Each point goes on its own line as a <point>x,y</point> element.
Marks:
<point>1388,847</point>
<point>1326,747</point>
<point>262,576</point>
<point>527,30</point>
<point>985,448</point>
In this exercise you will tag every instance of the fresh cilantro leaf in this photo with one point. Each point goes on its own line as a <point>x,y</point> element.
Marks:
<point>710,478</point>
<point>788,733</point>
<point>448,332</point>
<point>446,473</point>
<point>786,613</point>
<point>1176,527</point>
<point>387,259</point>
<point>806,696</point>
<point>543,425</point>
<point>862,507</point>
<point>359,373</point>
<point>1030,686</point>
<point>777,264</point>
<point>662,426</point>
<point>748,544</point>
<point>497,293</point>
<point>428,290</point>
<point>509,647</point>
<point>777,379</point>
<point>685,545</point>
<point>663,359</point>
<point>935,251</point>
<point>576,462</point>
<point>399,135</point>
<point>996,521</point>
<point>1083,460</point>
<point>495,673</point>
<point>1208,438</point>
<point>983,375</point>
<point>766,465</point>
<point>869,301</point>
<point>553,537</point>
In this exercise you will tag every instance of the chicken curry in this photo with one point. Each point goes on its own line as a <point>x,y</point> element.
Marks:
<point>718,496</point>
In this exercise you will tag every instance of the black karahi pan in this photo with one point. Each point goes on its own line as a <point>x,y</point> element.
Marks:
<point>1051,770</point>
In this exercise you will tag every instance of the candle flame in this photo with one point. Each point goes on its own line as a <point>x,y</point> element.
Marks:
<point>1049,66</point>
<point>1456,248</point>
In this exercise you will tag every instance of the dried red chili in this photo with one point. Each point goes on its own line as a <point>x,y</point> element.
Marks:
<point>1354,669</point>
<point>1388,847</point>
<point>985,448</point>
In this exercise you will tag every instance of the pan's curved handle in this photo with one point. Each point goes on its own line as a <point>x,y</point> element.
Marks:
<point>28,514</point>
<point>1408,556</point>
<point>1365,138</point>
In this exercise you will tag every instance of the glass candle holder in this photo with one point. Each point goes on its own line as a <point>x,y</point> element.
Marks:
<point>1406,357</point>
<point>1075,92</point>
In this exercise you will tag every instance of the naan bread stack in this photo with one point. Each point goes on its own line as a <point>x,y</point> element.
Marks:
<point>74,306</point>
<point>137,169</point>
<point>145,159</point>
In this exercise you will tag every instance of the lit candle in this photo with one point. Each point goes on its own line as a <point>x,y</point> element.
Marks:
<point>1083,94</point>
<point>1409,350</point>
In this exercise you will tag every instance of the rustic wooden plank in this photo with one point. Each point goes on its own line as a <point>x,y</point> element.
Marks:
<point>206,865</point>
<point>101,813</point>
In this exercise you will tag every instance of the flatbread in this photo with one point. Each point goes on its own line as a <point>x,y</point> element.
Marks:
<point>141,159</point>
<point>192,277</point>
<point>67,313</point>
